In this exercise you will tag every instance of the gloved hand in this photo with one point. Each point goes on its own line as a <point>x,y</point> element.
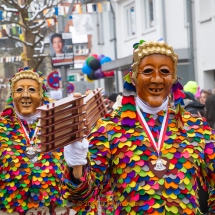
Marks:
<point>118,102</point>
<point>75,154</point>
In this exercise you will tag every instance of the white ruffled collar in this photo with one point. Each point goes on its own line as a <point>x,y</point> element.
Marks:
<point>29,119</point>
<point>151,110</point>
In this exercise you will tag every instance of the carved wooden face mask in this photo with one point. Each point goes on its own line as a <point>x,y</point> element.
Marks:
<point>26,96</point>
<point>155,78</point>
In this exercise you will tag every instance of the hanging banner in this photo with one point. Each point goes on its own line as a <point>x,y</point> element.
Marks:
<point>10,59</point>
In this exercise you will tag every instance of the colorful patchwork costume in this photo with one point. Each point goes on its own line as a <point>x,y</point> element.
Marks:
<point>122,157</point>
<point>27,187</point>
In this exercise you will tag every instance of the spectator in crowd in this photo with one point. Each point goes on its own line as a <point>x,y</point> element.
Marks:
<point>210,110</point>
<point>198,93</point>
<point>191,86</point>
<point>112,99</point>
<point>105,96</point>
<point>203,96</point>
<point>192,105</point>
<point>189,97</point>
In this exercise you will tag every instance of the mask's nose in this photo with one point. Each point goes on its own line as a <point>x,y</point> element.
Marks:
<point>25,93</point>
<point>157,78</point>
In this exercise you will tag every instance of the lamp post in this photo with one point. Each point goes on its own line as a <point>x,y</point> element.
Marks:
<point>61,26</point>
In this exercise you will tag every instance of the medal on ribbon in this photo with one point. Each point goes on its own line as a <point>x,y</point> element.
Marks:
<point>160,166</point>
<point>32,150</point>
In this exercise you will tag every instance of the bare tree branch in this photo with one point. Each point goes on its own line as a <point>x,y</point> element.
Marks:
<point>27,4</point>
<point>40,60</point>
<point>12,3</point>
<point>45,7</point>
<point>31,22</point>
<point>4,7</point>
<point>17,39</point>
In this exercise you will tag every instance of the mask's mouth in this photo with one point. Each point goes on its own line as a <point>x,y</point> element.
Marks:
<point>155,90</point>
<point>26,103</point>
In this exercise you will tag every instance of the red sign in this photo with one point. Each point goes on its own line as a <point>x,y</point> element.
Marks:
<point>53,80</point>
<point>71,87</point>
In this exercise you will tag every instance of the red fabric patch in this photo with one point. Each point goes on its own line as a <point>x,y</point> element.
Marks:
<point>128,99</point>
<point>7,112</point>
<point>178,94</point>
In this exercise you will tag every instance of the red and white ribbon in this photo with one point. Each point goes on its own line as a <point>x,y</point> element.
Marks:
<point>156,145</point>
<point>26,133</point>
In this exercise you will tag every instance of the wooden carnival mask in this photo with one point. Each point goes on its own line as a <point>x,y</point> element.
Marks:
<point>154,71</point>
<point>26,96</point>
<point>154,79</point>
<point>27,91</point>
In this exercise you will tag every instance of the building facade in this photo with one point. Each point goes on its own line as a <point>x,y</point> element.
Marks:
<point>204,34</point>
<point>184,24</point>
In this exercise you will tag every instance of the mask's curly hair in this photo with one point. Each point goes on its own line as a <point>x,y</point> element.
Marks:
<point>26,73</point>
<point>143,49</point>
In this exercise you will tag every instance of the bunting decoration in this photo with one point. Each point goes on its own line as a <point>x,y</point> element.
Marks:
<point>10,59</point>
<point>61,10</point>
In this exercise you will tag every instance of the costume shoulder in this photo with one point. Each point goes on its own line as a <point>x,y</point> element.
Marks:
<point>6,124</point>
<point>198,126</point>
<point>194,119</point>
<point>105,124</point>
<point>189,118</point>
<point>7,113</point>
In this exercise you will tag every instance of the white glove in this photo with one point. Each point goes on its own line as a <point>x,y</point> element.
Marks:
<point>118,102</point>
<point>76,153</point>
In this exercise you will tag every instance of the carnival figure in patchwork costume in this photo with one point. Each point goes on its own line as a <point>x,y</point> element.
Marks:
<point>30,181</point>
<point>148,153</point>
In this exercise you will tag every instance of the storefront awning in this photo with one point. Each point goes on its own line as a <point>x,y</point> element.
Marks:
<point>118,64</point>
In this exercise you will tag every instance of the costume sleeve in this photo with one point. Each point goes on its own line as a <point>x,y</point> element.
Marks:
<point>208,166</point>
<point>3,141</point>
<point>96,179</point>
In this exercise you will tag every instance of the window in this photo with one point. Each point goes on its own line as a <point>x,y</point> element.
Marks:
<point>149,14</point>
<point>81,49</point>
<point>130,20</point>
<point>77,49</point>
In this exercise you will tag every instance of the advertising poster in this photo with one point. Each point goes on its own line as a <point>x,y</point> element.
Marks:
<point>62,50</point>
